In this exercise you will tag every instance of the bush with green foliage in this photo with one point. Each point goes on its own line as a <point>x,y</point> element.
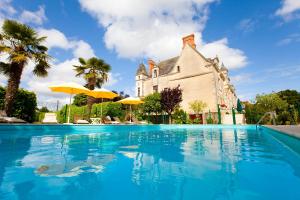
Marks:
<point>152,105</point>
<point>39,116</point>
<point>209,119</point>
<point>284,103</point>
<point>44,109</point>
<point>180,116</point>
<point>80,100</point>
<point>24,106</point>
<point>197,106</point>
<point>112,109</point>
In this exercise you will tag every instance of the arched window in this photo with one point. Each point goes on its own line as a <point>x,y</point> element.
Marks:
<point>155,73</point>
<point>178,68</point>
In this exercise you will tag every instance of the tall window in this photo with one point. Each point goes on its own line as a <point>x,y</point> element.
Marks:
<point>155,73</point>
<point>155,88</point>
<point>139,91</point>
<point>178,68</point>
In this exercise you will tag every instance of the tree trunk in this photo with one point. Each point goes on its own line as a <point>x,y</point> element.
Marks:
<point>170,118</point>
<point>91,100</point>
<point>12,86</point>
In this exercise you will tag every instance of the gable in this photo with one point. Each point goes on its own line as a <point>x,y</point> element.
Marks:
<point>191,62</point>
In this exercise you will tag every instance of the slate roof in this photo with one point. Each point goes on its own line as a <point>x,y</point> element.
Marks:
<point>141,70</point>
<point>166,66</point>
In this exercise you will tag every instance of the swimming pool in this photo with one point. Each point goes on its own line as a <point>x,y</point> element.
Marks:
<point>147,162</point>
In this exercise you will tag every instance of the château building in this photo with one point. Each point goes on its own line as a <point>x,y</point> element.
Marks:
<point>199,77</point>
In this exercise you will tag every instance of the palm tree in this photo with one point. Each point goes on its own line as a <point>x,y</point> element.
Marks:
<point>20,43</point>
<point>95,72</point>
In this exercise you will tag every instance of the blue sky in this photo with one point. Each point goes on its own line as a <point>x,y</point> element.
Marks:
<point>259,41</point>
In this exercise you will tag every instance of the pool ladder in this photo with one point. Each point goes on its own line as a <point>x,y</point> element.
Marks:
<point>273,117</point>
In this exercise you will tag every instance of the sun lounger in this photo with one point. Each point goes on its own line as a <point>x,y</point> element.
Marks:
<point>79,120</point>
<point>50,118</point>
<point>5,119</point>
<point>136,121</point>
<point>107,120</point>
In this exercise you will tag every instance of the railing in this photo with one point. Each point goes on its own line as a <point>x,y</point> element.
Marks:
<point>272,115</point>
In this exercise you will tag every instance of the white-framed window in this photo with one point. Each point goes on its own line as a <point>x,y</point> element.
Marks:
<point>139,92</point>
<point>155,73</point>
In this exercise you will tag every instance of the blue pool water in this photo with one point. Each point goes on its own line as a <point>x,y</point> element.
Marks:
<point>147,162</point>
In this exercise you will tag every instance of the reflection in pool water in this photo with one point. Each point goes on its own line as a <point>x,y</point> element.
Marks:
<point>151,163</point>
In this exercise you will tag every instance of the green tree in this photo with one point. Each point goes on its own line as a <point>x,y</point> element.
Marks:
<point>152,104</point>
<point>21,43</point>
<point>292,97</point>
<point>95,72</point>
<point>197,106</point>
<point>80,100</point>
<point>271,102</point>
<point>170,99</point>
<point>239,106</point>
<point>24,106</point>
<point>44,109</point>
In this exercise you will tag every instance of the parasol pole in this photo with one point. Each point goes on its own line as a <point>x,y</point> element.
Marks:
<point>101,110</point>
<point>69,111</point>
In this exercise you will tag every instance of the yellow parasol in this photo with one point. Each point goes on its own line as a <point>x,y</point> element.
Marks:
<point>131,101</point>
<point>69,88</point>
<point>103,94</point>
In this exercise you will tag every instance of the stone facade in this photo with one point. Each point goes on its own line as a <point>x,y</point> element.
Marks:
<point>200,78</point>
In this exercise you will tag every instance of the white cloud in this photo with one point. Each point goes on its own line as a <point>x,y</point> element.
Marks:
<point>293,38</point>
<point>82,49</point>
<point>232,58</point>
<point>136,29</point>
<point>38,17</point>
<point>6,7</point>
<point>289,9</point>
<point>113,79</point>
<point>247,25</point>
<point>57,39</point>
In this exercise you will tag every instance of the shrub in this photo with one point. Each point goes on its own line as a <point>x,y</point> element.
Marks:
<point>112,109</point>
<point>209,119</point>
<point>24,106</point>
<point>197,121</point>
<point>180,117</point>
<point>39,116</point>
<point>44,109</point>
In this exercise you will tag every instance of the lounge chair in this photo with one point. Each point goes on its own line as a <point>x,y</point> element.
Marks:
<point>136,121</point>
<point>79,120</point>
<point>50,118</point>
<point>107,120</point>
<point>117,119</point>
<point>5,119</point>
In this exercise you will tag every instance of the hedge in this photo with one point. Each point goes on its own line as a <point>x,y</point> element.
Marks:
<point>24,106</point>
<point>111,109</point>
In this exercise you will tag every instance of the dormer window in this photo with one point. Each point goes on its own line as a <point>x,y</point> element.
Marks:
<point>178,68</point>
<point>155,73</point>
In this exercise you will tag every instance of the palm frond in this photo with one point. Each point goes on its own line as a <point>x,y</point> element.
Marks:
<point>4,68</point>
<point>82,61</point>
<point>40,69</point>
<point>18,57</point>
<point>5,49</point>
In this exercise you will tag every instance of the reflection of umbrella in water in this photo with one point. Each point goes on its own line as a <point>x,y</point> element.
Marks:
<point>94,165</point>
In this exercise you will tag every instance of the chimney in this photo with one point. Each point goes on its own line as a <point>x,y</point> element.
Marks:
<point>189,40</point>
<point>151,64</point>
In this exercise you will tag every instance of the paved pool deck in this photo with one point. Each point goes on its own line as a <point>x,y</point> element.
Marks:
<point>292,130</point>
